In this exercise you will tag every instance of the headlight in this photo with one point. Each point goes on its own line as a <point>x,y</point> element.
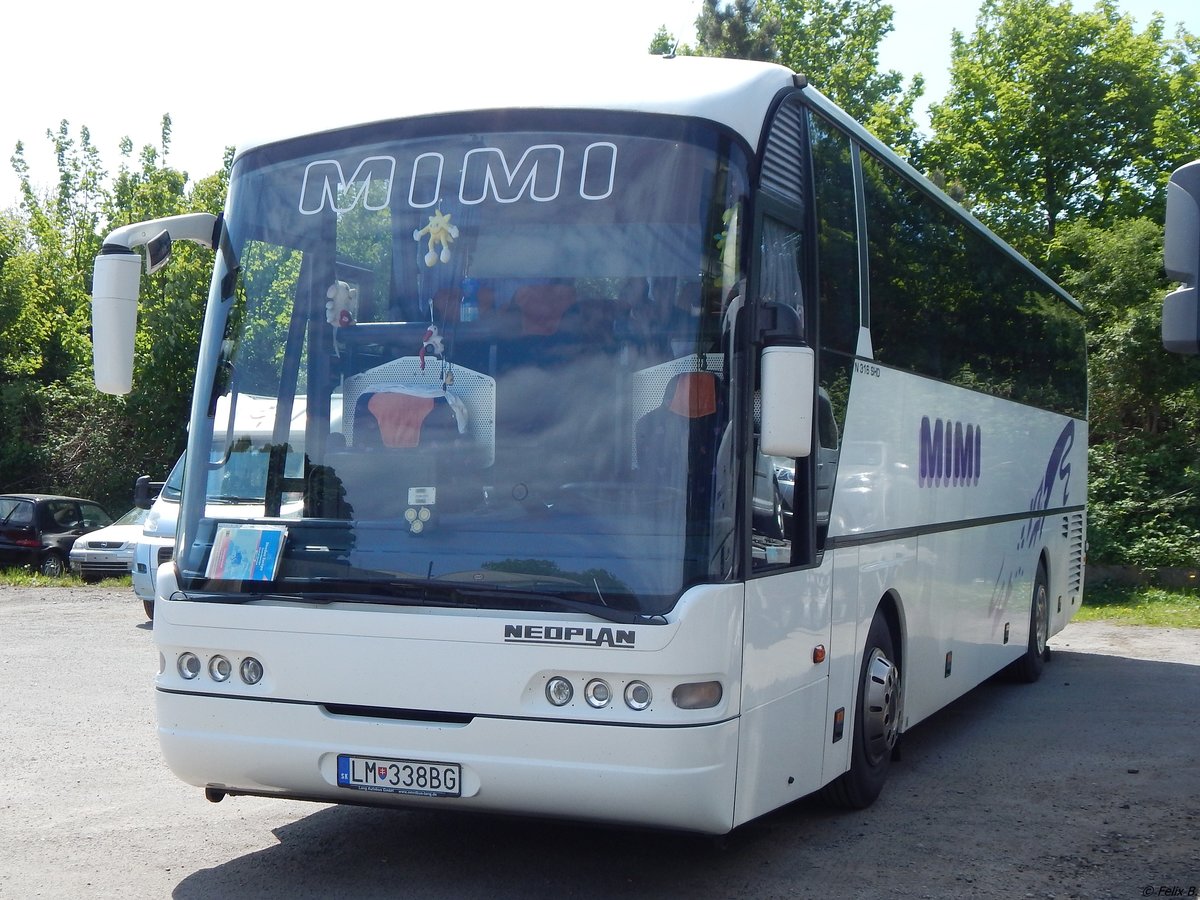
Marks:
<point>559,691</point>
<point>188,665</point>
<point>251,670</point>
<point>637,695</point>
<point>597,693</point>
<point>219,668</point>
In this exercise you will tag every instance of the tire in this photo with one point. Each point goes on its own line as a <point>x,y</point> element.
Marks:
<point>775,527</point>
<point>148,606</point>
<point>53,565</point>
<point>1029,667</point>
<point>876,723</point>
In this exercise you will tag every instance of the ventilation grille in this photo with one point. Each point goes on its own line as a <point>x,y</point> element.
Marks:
<point>1072,532</point>
<point>783,169</point>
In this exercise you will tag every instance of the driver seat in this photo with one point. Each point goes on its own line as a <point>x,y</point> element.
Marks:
<point>683,433</point>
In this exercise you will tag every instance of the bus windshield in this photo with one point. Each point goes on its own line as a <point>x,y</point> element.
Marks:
<point>500,358</point>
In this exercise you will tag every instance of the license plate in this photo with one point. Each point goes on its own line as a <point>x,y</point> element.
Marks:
<point>399,776</point>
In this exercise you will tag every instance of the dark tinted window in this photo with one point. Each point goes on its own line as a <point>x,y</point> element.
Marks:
<point>948,303</point>
<point>837,236</point>
<point>16,512</point>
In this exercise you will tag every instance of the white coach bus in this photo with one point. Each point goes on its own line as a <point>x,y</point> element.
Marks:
<point>691,448</point>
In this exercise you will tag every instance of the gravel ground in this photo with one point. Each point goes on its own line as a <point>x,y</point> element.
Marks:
<point>1086,784</point>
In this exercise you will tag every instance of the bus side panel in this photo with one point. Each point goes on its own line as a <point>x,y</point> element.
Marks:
<point>897,569</point>
<point>952,495</point>
<point>921,455</point>
<point>844,658</point>
<point>784,688</point>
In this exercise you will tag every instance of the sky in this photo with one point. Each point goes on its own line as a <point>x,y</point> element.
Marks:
<point>117,69</point>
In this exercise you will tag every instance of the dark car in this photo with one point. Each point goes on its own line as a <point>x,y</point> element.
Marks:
<point>38,530</point>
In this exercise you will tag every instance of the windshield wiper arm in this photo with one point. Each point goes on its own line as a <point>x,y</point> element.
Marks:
<point>419,592</point>
<point>492,597</point>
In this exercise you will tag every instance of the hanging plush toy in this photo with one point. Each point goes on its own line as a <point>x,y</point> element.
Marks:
<point>441,234</point>
<point>341,307</point>
<point>431,343</point>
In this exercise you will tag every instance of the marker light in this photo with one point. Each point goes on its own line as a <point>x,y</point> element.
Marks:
<point>219,668</point>
<point>188,665</point>
<point>559,691</point>
<point>701,695</point>
<point>637,695</point>
<point>251,670</point>
<point>597,693</point>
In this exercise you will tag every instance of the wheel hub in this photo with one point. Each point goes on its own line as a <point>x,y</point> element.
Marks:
<point>1041,618</point>
<point>881,719</point>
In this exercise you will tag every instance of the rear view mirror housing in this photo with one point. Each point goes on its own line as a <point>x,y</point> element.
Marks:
<point>788,386</point>
<point>116,280</point>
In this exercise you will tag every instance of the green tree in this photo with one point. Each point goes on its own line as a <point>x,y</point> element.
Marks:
<point>45,308</point>
<point>57,432</point>
<point>1177,123</point>
<point>172,302</point>
<point>737,30</point>
<point>663,42</point>
<point>1144,403</point>
<point>1051,117</point>
<point>834,43</point>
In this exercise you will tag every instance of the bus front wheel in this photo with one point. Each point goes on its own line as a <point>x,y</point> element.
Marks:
<point>876,723</point>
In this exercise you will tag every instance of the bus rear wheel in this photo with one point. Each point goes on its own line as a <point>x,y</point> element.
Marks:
<point>876,723</point>
<point>1028,668</point>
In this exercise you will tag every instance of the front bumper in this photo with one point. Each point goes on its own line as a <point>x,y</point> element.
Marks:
<point>673,777</point>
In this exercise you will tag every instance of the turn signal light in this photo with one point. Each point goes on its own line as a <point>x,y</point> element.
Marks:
<point>700,695</point>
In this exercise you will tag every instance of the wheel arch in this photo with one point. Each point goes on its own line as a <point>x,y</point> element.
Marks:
<point>892,609</point>
<point>1044,562</point>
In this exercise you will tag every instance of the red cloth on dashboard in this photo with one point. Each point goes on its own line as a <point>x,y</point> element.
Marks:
<point>400,417</point>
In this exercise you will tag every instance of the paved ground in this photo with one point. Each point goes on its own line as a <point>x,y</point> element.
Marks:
<point>1086,784</point>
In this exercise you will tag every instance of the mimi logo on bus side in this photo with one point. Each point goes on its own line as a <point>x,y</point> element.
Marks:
<point>950,453</point>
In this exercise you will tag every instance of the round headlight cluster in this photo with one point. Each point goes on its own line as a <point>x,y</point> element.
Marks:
<point>188,665</point>
<point>559,691</point>
<point>220,669</point>
<point>637,695</point>
<point>598,693</point>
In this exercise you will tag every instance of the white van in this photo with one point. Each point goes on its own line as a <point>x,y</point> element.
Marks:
<point>237,483</point>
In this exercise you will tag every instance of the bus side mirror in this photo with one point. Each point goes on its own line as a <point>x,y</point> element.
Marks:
<point>116,279</point>
<point>788,386</point>
<point>1181,258</point>
<point>141,492</point>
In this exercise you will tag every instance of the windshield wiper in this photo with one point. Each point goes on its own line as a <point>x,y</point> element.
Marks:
<point>321,597</point>
<point>496,597</point>
<point>421,592</point>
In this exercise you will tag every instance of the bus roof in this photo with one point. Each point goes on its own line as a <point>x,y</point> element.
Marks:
<point>735,93</point>
<point>732,92</point>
